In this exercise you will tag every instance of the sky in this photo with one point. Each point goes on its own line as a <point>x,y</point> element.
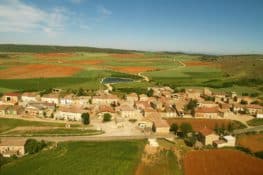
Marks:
<point>196,26</point>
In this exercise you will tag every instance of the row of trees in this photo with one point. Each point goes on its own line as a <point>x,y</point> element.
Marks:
<point>33,146</point>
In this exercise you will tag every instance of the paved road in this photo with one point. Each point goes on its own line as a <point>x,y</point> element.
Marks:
<point>251,129</point>
<point>87,138</point>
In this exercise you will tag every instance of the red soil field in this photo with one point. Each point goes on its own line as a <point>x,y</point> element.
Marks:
<point>54,55</point>
<point>38,70</point>
<point>221,162</point>
<point>129,55</point>
<point>198,63</point>
<point>133,69</point>
<point>253,142</point>
<point>199,124</point>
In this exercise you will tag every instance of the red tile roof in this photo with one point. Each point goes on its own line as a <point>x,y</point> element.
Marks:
<point>207,110</point>
<point>206,131</point>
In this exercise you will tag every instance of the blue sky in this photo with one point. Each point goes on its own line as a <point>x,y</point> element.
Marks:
<point>204,26</point>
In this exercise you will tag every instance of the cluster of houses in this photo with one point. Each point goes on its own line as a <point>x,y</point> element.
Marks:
<point>148,112</point>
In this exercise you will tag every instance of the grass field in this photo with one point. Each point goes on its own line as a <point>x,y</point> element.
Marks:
<point>8,124</point>
<point>253,142</point>
<point>255,122</point>
<point>221,161</point>
<point>84,67</point>
<point>70,158</point>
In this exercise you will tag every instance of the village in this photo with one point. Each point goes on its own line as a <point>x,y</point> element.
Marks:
<point>132,115</point>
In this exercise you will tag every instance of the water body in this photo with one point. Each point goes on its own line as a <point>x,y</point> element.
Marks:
<point>116,80</point>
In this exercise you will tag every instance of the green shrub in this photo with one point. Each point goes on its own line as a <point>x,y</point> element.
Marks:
<point>33,146</point>
<point>106,117</point>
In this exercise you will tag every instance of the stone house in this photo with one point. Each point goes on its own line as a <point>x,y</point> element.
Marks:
<point>14,110</point>
<point>129,112</point>
<point>12,147</point>
<point>193,93</point>
<point>105,99</point>
<point>226,141</point>
<point>69,113</point>
<point>51,98</point>
<point>253,109</point>
<point>204,112</point>
<point>30,96</point>
<point>67,99</point>
<point>11,98</point>
<point>132,97</point>
<point>208,136</point>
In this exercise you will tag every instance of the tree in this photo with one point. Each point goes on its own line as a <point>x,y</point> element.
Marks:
<point>191,105</point>
<point>106,117</point>
<point>150,93</point>
<point>174,128</point>
<point>85,118</point>
<point>243,102</point>
<point>32,146</point>
<point>2,160</point>
<point>217,129</point>
<point>190,141</point>
<point>81,92</point>
<point>186,128</point>
<point>230,127</point>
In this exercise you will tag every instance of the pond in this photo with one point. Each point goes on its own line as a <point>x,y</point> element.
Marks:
<point>116,80</point>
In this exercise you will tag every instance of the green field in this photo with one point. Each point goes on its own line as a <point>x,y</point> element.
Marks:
<point>70,158</point>
<point>241,73</point>
<point>255,122</point>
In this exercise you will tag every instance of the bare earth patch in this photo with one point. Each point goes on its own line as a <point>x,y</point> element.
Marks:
<point>54,55</point>
<point>218,162</point>
<point>253,142</point>
<point>38,70</point>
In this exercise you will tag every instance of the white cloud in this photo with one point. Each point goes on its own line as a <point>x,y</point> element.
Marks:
<point>76,1</point>
<point>16,16</point>
<point>103,11</point>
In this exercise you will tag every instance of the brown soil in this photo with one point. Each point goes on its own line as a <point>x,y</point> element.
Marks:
<point>199,124</point>
<point>218,162</point>
<point>38,70</point>
<point>253,142</point>
<point>88,62</point>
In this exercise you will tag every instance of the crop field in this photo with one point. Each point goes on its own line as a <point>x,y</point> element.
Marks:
<point>70,158</point>
<point>199,124</point>
<point>218,162</point>
<point>40,67</point>
<point>253,142</point>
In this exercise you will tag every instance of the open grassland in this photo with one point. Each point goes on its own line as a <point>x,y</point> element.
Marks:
<point>252,142</point>
<point>255,122</point>
<point>218,162</point>
<point>8,124</point>
<point>38,67</point>
<point>199,124</point>
<point>70,158</point>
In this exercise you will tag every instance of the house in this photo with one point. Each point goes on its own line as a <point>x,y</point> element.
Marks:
<point>227,141</point>
<point>253,109</point>
<point>145,124</point>
<point>3,109</point>
<point>143,97</point>
<point>133,97</point>
<point>14,110</point>
<point>225,110</point>
<point>9,147</point>
<point>11,98</point>
<point>129,112</point>
<point>207,92</point>
<point>207,136</point>
<point>103,109</point>
<point>238,108</point>
<point>208,104</point>
<point>160,125</point>
<point>69,113</point>
<point>30,96</point>
<point>193,93</point>
<point>105,99</point>
<point>67,99</point>
<point>40,109</point>
<point>205,112</point>
<point>50,98</point>
<point>169,112</point>
<point>259,115</point>
<point>220,97</point>
<point>142,105</point>
<point>149,111</point>
<point>82,100</point>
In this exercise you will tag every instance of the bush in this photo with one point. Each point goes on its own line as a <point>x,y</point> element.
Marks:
<point>32,146</point>
<point>259,154</point>
<point>190,141</point>
<point>191,105</point>
<point>106,117</point>
<point>174,128</point>
<point>85,118</point>
<point>186,128</point>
